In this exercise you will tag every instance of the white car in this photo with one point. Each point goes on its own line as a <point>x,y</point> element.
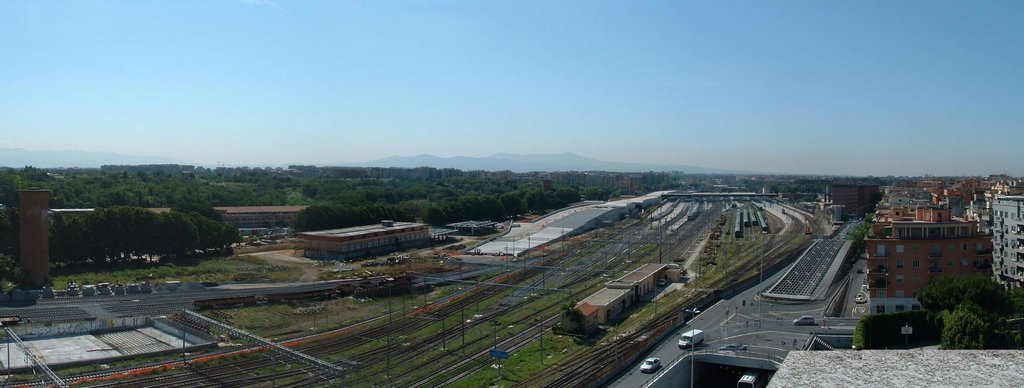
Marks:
<point>650,365</point>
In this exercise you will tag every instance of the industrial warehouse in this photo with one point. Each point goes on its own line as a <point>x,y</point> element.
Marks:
<point>349,243</point>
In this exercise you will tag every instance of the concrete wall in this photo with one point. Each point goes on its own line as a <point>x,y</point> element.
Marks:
<point>191,336</point>
<point>73,328</point>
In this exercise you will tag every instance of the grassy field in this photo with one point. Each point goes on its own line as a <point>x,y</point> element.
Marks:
<point>219,270</point>
<point>274,320</point>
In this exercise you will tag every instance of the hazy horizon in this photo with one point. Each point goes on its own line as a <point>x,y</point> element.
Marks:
<point>863,88</point>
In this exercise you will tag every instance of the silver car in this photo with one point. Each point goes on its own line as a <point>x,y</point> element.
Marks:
<point>650,365</point>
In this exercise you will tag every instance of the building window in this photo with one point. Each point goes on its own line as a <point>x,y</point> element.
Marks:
<point>880,294</point>
<point>917,279</point>
<point>949,263</point>
<point>899,248</point>
<point>880,250</point>
<point>917,263</point>
<point>963,262</point>
<point>900,307</point>
<point>963,247</point>
<point>899,263</point>
<point>899,293</point>
<point>915,307</point>
<point>899,279</point>
<point>916,248</point>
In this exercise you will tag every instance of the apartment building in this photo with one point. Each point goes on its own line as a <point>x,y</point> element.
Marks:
<point>909,247</point>
<point>1008,240</point>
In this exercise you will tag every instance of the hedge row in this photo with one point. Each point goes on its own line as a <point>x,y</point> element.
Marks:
<point>879,331</point>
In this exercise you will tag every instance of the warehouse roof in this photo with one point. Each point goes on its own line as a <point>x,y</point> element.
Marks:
<point>361,230</point>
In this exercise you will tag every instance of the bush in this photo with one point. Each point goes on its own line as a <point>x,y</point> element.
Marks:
<point>878,331</point>
<point>966,329</point>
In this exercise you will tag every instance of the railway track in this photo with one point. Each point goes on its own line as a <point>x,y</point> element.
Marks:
<point>606,359</point>
<point>612,254</point>
<point>220,375</point>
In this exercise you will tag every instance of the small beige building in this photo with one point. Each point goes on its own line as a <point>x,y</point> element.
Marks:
<point>618,295</point>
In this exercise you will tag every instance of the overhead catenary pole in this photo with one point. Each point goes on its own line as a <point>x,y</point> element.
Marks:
<point>35,360</point>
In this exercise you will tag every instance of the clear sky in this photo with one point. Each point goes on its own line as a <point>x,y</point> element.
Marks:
<point>839,87</point>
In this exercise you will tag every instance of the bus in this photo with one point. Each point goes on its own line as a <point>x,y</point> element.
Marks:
<point>754,378</point>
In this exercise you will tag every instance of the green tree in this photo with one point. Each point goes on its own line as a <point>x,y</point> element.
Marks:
<point>435,215</point>
<point>8,232</point>
<point>948,292</point>
<point>513,203</point>
<point>965,328</point>
<point>178,234</point>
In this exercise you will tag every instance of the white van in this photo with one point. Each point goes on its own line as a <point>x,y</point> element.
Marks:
<point>691,338</point>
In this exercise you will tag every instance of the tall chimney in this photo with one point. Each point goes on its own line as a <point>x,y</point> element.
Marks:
<point>34,236</point>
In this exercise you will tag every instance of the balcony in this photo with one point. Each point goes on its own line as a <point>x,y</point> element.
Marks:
<point>983,251</point>
<point>879,269</point>
<point>935,254</point>
<point>877,283</point>
<point>934,269</point>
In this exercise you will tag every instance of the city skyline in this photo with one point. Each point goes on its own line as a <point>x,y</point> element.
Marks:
<point>867,88</point>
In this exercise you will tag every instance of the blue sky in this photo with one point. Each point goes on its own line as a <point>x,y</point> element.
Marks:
<point>837,87</point>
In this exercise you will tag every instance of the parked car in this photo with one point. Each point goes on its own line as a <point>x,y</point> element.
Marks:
<point>735,346</point>
<point>805,320</point>
<point>650,365</point>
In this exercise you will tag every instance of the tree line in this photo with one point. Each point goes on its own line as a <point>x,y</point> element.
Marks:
<point>321,217</point>
<point>436,201</point>
<point>124,234</point>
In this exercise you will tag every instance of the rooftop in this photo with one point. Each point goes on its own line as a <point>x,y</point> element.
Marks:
<point>604,297</point>
<point>900,368</point>
<point>259,209</point>
<point>360,230</point>
<point>641,273</point>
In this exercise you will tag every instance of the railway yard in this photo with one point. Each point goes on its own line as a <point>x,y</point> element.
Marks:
<point>487,321</point>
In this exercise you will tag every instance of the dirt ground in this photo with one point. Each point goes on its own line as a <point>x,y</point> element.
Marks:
<point>290,258</point>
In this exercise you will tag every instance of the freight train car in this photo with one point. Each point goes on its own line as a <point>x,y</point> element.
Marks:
<point>214,303</point>
<point>304,295</point>
<point>737,229</point>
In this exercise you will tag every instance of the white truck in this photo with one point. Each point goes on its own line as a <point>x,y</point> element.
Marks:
<point>691,338</point>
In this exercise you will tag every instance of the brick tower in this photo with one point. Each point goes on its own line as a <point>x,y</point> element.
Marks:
<point>34,236</point>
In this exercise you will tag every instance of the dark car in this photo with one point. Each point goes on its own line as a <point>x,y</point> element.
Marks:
<point>735,346</point>
<point>805,320</point>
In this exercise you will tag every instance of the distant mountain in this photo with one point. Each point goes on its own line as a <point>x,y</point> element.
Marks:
<point>535,162</point>
<point>17,158</point>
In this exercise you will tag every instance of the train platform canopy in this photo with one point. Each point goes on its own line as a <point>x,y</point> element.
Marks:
<point>441,233</point>
<point>900,368</point>
<point>474,227</point>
